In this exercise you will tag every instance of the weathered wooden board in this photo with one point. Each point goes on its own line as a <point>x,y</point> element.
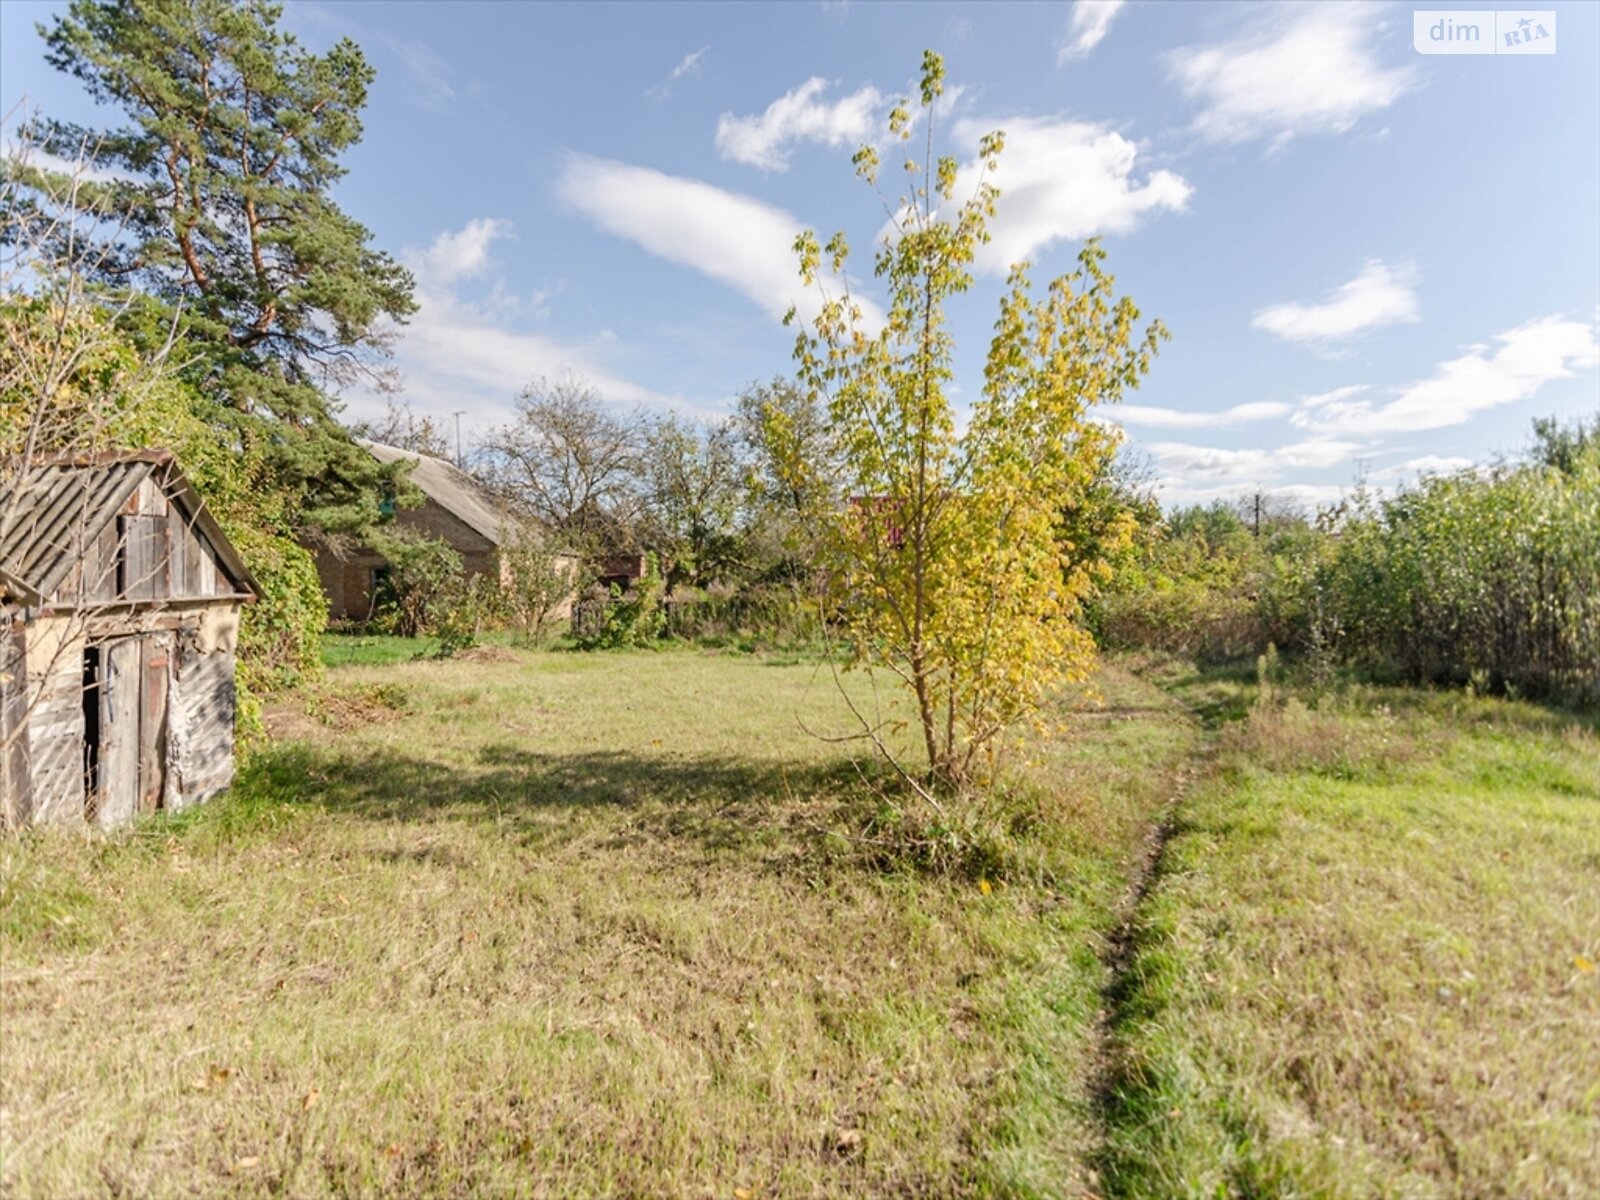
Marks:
<point>155,657</point>
<point>205,581</point>
<point>121,673</point>
<point>55,743</point>
<point>146,559</point>
<point>16,773</point>
<point>200,737</point>
<point>101,565</point>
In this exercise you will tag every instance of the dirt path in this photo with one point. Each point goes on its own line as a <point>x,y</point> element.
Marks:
<point>1112,1069</point>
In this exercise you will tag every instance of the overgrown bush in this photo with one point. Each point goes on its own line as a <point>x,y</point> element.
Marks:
<point>616,619</point>
<point>537,581</point>
<point>1484,576</point>
<point>423,584</point>
<point>1493,576</point>
<point>773,614</point>
<point>1195,591</point>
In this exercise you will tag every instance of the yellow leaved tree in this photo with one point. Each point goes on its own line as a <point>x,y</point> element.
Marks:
<point>947,548</point>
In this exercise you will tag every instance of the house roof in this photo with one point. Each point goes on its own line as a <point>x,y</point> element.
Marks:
<point>57,506</point>
<point>448,486</point>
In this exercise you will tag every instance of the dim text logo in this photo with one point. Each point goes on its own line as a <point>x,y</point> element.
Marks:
<point>1483,31</point>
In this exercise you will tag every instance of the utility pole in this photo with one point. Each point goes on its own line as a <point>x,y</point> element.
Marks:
<point>1258,514</point>
<point>460,466</point>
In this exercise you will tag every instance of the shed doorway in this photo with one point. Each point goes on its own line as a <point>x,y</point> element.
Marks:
<point>125,726</point>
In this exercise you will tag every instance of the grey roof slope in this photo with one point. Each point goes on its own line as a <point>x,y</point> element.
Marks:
<point>452,489</point>
<point>58,505</point>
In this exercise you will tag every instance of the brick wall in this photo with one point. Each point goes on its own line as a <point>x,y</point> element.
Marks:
<point>347,580</point>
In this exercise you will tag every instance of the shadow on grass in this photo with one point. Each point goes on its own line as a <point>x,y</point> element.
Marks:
<point>717,802</point>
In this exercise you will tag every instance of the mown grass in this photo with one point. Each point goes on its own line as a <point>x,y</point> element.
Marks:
<point>374,649</point>
<point>571,925</point>
<point>1367,966</point>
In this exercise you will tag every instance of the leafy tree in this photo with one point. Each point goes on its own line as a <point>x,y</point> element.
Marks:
<point>536,580</point>
<point>215,206</point>
<point>622,619</point>
<point>570,462</point>
<point>423,580</point>
<point>784,431</point>
<point>790,470</point>
<point>694,479</point>
<point>947,564</point>
<point>403,429</point>
<point>1564,446</point>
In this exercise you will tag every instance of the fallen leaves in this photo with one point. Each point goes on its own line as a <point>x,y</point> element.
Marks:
<point>216,1077</point>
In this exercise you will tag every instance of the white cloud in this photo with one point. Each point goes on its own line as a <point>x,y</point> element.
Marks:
<point>456,353</point>
<point>1322,399</point>
<point>1061,180</point>
<point>428,72</point>
<point>1303,69</point>
<point>801,115</point>
<point>1428,464</point>
<point>1173,418</point>
<point>1527,358</point>
<point>1090,21</point>
<point>737,240</point>
<point>457,254</point>
<point>1249,463</point>
<point>1379,295</point>
<point>1189,474</point>
<point>689,64</point>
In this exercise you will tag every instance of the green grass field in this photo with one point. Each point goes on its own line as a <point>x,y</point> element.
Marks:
<point>1366,966</point>
<point>559,924</point>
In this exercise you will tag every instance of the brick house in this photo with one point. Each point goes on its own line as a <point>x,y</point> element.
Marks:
<point>456,509</point>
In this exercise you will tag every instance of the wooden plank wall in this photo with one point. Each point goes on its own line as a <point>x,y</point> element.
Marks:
<point>55,743</point>
<point>121,673</point>
<point>16,779</point>
<point>155,670</point>
<point>150,551</point>
<point>200,728</point>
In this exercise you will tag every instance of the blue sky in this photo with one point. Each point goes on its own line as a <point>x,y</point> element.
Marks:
<point>1372,261</point>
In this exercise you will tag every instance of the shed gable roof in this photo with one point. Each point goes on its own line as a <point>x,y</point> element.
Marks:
<point>59,505</point>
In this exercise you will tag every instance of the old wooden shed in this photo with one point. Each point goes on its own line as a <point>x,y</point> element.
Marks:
<point>119,616</point>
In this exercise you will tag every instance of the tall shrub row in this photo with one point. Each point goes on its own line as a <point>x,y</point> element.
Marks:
<point>1490,577</point>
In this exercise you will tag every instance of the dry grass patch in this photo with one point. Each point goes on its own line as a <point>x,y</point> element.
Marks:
<point>565,925</point>
<point>1370,974</point>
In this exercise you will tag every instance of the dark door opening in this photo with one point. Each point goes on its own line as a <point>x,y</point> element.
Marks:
<point>92,666</point>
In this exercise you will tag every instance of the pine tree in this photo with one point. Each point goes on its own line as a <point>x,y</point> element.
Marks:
<point>212,201</point>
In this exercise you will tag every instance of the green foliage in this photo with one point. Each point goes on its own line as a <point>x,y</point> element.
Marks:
<point>694,489</point>
<point>424,582</point>
<point>110,397</point>
<point>1494,575</point>
<point>536,580</point>
<point>773,615</point>
<point>217,212</point>
<point>1564,447</point>
<point>791,469</point>
<point>623,619</point>
<point>946,562</point>
<point>1484,576</point>
<point>1205,584</point>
